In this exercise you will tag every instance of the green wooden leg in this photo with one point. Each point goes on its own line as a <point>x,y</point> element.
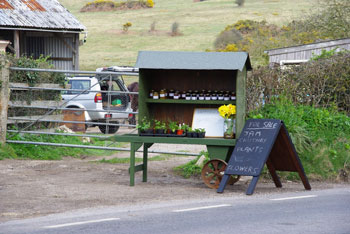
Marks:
<point>145,160</point>
<point>134,146</point>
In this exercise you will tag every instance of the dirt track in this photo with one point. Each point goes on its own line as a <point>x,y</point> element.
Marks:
<point>33,188</point>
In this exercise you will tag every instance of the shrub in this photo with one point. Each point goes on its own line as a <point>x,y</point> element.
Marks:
<point>175,29</point>
<point>240,2</point>
<point>226,37</point>
<point>321,136</point>
<point>126,26</point>
<point>149,3</point>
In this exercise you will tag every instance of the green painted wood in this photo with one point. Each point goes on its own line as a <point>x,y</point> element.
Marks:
<point>133,148</point>
<point>145,161</point>
<point>241,100</point>
<point>139,168</point>
<point>182,101</point>
<point>219,152</point>
<point>173,140</point>
<point>143,95</point>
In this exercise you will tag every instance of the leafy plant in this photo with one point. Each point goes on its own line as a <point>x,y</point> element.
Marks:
<point>191,169</point>
<point>144,124</point>
<point>159,125</point>
<point>126,26</point>
<point>173,126</point>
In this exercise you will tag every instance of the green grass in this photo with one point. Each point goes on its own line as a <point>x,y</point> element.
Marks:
<point>40,152</point>
<point>200,23</point>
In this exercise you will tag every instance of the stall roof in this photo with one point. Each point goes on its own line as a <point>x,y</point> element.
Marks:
<point>39,14</point>
<point>193,60</point>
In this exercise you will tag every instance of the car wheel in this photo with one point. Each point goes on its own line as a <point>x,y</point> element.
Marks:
<point>111,129</point>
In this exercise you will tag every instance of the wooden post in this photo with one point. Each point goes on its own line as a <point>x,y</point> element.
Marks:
<point>16,43</point>
<point>4,96</point>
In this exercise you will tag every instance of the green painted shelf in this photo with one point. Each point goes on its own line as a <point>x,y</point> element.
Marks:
<point>182,101</point>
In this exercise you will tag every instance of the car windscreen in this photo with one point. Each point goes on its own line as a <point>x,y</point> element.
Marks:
<point>78,84</point>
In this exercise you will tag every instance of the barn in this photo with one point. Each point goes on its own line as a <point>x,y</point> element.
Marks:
<point>41,27</point>
<point>303,53</point>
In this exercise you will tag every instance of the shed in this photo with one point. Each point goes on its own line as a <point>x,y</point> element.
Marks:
<point>41,27</point>
<point>303,53</point>
<point>186,72</point>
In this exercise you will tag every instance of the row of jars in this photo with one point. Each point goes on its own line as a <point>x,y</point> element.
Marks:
<point>193,95</point>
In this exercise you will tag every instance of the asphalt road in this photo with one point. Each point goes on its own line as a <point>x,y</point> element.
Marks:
<point>323,211</point>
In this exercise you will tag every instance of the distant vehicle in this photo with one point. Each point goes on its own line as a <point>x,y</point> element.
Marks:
<point>97,103</point>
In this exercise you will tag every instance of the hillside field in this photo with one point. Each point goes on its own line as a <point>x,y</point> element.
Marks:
<point>199,24</point>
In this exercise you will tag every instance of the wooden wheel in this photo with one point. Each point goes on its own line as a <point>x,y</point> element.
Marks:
<point>213,172</point>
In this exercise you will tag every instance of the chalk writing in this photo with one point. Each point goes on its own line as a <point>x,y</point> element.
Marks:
<point>248,149</point>
<point>246,169</point>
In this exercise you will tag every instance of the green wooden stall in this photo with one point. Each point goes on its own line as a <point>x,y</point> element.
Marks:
<point>185,71</point>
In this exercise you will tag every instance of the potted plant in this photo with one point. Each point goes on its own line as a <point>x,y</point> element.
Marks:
<point>182,128</point>
<point>144,126</point>
<point>200,132</point>
<point>191,132</point>
<point>159,127</point>
<point>172,127</point>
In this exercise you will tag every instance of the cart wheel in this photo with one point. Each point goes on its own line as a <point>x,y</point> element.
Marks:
<point>213,172</point>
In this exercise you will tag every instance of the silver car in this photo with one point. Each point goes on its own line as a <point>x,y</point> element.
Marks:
<point>104,105</point>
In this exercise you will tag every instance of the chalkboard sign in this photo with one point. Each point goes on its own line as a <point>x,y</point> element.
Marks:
<point>263,141</point>
<point>210,120</point>
<point>253,147</point>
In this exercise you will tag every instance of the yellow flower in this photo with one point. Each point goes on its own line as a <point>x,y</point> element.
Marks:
<point>227,111</point>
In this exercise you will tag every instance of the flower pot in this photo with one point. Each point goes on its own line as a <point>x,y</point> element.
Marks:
<point>179,132</point>
<point>159,131</point>
<point>201,134</point>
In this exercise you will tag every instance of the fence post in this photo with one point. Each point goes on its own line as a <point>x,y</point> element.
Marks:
<point>4,96</point>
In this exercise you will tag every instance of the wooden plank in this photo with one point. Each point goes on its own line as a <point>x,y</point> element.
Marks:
<point>48,104</point>
<point>41,85</point>
<point>21,119</point>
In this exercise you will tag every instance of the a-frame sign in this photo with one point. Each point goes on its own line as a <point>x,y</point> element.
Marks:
<point>263,141</point>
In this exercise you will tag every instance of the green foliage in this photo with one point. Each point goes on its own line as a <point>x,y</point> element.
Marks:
<point>321,136</point>
<point>40,152</point>
<point>240,2</point>
<point>173,126</point>
<point>325,54</point>
<point>319,83</point>
<point>6,151</point>
<point>191,169</point>
<point>144,124</point>
<point>175,29</point>
<point>107,5</point>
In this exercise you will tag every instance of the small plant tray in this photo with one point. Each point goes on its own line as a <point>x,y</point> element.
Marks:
<point>161,135</point>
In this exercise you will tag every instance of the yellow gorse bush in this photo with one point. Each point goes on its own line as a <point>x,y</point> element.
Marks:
<point>227,111</point>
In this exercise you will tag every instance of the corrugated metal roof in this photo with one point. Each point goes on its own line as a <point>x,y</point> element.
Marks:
<point>311,46</point>
<point>43,14</point>
<point>193,60</point>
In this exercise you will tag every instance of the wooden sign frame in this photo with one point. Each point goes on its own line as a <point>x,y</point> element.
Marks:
<point>277,151</point>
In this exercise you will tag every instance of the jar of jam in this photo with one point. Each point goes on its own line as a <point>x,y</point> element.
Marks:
<point>171,93</point>
<point>162,94</point>
<point>176,95</point>
<point>155,95</point>
<point>221,95</point>
<point>188,96</point>
<point>151,94</point>
<point>214,95</point>
<point>201,96</point>
<point>183,95</point>
<point>233,96</point>
<point>226,97</point>
<point>207,97</point>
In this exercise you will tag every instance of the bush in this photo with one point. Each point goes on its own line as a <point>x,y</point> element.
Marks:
<point>320,83</point>
<point>227,37</point>
<point>321,136</point>
<point>240,2</point>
